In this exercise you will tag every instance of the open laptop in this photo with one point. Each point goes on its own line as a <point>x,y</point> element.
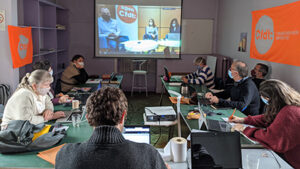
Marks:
<point>174,36</point>
<point>68,116</point>
<point>210,124</point>
<point>139,134</point>
<point>168,78</point>
<point>224,148</point>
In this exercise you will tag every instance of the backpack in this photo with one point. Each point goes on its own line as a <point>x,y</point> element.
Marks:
<point>19,134</point>
<point>4,93</point>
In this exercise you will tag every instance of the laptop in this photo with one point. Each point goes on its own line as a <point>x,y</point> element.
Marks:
<point>68,116</point>
<point>139,134</point>
<point>174,36</point>
<point>210,124</point>
<point>210,149</point>
<point>169,78</point>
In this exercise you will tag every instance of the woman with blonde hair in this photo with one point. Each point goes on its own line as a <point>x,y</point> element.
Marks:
<point>278,127</point>
<point>30,100</point>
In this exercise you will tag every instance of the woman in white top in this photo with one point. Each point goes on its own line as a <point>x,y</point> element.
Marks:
<point>151,32</point>
<point>30,101</point>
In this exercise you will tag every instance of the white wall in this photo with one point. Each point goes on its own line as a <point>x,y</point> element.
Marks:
<point>234,17</point>
<point>8,75</point>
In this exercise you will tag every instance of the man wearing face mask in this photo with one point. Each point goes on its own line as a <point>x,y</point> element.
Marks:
<point>259,73</point>
<point>202,76</point>
<point>74,74</point>
<point>45,65</point>
<point>108,31</point>
<point>30,100</point>
<point>243,95</point>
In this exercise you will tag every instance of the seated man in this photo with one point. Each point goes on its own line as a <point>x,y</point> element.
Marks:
<point>109,32</point>
<point>74,74</point>
<point>243,95</point>
<point>202,76</point>
<point>107,148</point>
<point>259,73</point>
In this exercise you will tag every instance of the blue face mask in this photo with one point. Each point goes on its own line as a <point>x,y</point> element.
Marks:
<point>229,74</point>
<point>264,100</point>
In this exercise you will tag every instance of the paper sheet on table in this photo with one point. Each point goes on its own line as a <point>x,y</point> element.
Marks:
<point>50,155</point>
<point>246,125</point>
<point>232,124</point>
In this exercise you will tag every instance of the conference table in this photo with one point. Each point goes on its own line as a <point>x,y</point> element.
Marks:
<point>74,135</point>
<point>248,147</point>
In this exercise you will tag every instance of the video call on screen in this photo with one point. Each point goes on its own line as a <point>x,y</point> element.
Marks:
<point>139,31</point>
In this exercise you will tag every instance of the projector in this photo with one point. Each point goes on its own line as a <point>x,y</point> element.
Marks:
<point>160,113</point>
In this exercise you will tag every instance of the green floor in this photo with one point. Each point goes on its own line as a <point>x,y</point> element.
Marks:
<point>136,105</point>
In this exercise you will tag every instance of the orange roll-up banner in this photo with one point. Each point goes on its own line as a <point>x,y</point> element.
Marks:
<point>276,34</point>
<point>20,41</point>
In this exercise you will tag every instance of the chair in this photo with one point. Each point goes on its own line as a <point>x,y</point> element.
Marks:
<point>139,72</point>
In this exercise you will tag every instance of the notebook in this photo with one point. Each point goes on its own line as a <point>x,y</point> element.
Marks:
<point>139,134</point>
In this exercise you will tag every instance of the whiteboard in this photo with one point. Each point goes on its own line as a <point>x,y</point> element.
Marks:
<point>197,36</point>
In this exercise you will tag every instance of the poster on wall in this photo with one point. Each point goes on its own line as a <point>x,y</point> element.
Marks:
<point>2,20</point>
<point>20,41</point>
<point>243,42</point>
<point>276,34</point>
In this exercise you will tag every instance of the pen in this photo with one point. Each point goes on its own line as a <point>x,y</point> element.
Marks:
<point>231,117</point>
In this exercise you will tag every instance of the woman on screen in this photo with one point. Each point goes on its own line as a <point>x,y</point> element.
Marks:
<point>151,32</point>
<point>278,127</point>
<point>174,26</point>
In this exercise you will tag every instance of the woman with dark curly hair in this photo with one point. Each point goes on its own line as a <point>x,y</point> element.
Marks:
<point>107,148</point>
<point>279,125</point>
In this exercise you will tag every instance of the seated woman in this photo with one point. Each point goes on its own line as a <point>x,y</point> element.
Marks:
<point>174,26</point>
<point>45,65</point>
<point>74,74</point>
<point>278,127</point>
<point>30,100</point>
<point>151,32</point>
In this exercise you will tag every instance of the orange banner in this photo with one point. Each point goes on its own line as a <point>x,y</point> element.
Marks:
<point>20,41</point>
<point>276,34</point>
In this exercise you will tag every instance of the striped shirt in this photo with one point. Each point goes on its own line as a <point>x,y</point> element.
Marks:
<point>202,76</point>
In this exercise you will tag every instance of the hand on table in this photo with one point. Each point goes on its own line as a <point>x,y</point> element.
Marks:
<point>63,99</point>
<point>238,127</point>
<point>236,119</point>
<point>58,114</point>
<point>48,115</point>
<point>184,79</point>
<point>208,95</point>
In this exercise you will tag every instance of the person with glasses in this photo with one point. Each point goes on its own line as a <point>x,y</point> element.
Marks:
<point>278,127</point>
<point>243,95</point>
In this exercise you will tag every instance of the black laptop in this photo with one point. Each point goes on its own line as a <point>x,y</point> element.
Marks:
<point>169,78</point>
<point>216,150</point>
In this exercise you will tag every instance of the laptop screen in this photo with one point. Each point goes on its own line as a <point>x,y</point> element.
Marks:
<point>139,134</point>
<point>221,148</point>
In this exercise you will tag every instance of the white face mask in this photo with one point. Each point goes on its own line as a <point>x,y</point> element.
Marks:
<point>81,63</point>
<point>43,91</point>
<point>174,24</point>
<point>51,72</point>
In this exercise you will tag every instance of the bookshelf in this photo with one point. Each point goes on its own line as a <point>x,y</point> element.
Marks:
<point>49,23</point>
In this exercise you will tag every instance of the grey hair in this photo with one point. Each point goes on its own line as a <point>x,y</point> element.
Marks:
<point>199,59</point>
<point>36,77</point>
<point>241,67</point>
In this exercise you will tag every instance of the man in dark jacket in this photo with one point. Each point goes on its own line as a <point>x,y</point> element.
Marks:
<point>107,148</point>
<point>243,95</point>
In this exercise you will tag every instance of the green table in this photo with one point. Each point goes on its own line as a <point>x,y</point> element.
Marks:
<point>185,109</point>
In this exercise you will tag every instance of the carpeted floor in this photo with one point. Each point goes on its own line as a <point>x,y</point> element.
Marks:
<point>136,108</point>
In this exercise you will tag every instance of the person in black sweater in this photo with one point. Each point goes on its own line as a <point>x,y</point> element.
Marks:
<point>74,74</point>
<point>107,148</point>
<point>259,73</point>
<point>258,76</point>
<point>243,95</point>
